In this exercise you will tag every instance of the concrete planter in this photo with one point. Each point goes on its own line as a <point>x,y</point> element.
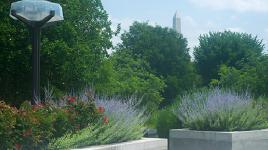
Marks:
<point>143,144</point>
<point>183,139</point>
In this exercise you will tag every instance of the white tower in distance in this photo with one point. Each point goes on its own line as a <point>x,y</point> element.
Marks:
<point>177,22</point>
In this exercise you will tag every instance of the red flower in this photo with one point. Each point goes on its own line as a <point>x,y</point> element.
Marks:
<point>17,146</point>
<point>101,109</point>
<point>105,120</point>
<point>71,99</point>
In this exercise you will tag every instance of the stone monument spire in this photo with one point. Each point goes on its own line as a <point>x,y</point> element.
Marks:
<point>177,22</point>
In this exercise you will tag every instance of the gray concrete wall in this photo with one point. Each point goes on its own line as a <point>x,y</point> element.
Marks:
<point>183,139</point>
<point>144,144</point>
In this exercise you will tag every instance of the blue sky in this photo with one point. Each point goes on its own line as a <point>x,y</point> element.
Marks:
<point>198,16</point>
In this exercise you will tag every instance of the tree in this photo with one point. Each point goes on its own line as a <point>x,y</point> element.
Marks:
<point>166,53</point>
<point>252,78</point>
<point>14,56</point>
<point>225,48</point>
<point>262,76</point>
<point>130,77</point>
<point>71,53</point>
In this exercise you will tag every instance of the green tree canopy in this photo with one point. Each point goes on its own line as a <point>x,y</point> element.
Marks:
<point>252,78</point>
<point>132,78</point>
<point>166,53</point>
<point>71,53</point>
<point>225,48</point>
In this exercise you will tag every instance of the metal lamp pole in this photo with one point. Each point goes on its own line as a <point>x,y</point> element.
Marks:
<point>35,15</point>
<point>35,28</point>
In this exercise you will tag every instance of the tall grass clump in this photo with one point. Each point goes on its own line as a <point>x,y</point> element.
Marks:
<point>123,121</point>
<point>220,110</point>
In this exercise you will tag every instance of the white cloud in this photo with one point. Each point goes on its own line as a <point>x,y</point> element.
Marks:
<point>234,17</point>
<point>235,5</point>
<point>235,29</point>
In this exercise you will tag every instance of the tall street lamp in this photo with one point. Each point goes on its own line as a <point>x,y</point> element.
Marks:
<point>36,14</point>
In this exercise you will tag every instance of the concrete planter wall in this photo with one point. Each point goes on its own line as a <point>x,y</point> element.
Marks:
<point>144,144</point>
<point>183,139</point>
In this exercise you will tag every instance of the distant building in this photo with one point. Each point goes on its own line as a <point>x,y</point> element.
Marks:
<point>177,22</point>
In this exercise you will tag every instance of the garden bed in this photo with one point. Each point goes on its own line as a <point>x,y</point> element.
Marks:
<point>184,139</point>
<point>143,144</point>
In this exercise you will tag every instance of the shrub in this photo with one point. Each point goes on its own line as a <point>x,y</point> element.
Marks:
<point>121,121</point>
<point>33,127</point>
<point>220,110</point>
<point>81,113</point>
<point>7,125</point>
<point>61,123</point>
<point>25,128</point>
<point>166,120</point>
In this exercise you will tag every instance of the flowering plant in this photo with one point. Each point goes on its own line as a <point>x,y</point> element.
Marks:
<point>81,113</point>
<point>33,126</point>
<point>121,121</point>
<point>7,125</point>
<point>220,110</point>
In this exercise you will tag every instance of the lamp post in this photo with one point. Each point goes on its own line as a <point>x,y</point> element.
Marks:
<point>36,14</point>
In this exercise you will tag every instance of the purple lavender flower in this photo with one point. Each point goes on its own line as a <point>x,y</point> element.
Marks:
<point>218,109</point>
<point>122,110</point>
<point>226,99</point>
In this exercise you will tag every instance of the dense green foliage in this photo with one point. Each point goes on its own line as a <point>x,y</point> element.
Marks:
<point>166,53</point>
<point>14,56</point>
<point>132,77</point>
<point>71,53</point>
<point>225,48</point>
<point>252,78</point>
<point>166,120</point>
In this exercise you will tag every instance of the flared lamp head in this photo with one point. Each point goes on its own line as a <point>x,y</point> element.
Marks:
<point>36,10</point>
